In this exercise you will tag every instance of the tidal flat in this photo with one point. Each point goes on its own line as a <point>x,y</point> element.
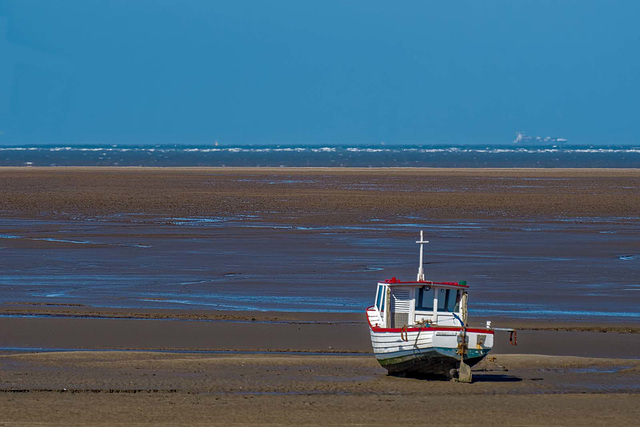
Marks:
<point>218,295</point>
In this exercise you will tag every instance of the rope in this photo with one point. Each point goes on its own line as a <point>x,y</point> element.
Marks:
<point>404,333</point>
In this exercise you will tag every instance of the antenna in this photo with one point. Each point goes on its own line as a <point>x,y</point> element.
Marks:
<point>420,269</point>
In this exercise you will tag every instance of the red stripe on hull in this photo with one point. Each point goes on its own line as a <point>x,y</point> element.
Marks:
<point>425,328</point>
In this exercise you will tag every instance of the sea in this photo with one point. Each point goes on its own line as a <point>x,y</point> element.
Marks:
<point>469,156</point>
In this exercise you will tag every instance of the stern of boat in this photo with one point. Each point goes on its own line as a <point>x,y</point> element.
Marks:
<point>479,344</point>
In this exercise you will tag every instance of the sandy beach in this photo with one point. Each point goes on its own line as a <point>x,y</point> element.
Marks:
<point>97,358</point>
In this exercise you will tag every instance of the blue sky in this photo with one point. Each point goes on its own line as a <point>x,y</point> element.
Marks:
<point>330,72</point>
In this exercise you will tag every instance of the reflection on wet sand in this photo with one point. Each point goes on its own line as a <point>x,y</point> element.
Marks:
<point>252,264</point>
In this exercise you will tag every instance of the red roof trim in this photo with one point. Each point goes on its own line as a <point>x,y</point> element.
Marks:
<point>394,281</point>
<point>426,328</point>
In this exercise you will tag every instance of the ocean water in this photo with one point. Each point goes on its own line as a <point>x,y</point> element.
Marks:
<point>511,155</point>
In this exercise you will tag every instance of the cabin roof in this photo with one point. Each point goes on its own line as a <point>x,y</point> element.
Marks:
<point>395,282</point>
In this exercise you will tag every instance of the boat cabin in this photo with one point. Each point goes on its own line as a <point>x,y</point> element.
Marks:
<point>421,303</point>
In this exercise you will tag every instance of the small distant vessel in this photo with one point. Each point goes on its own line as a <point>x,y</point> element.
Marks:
<point>522,138</point>
<point>419,328</point>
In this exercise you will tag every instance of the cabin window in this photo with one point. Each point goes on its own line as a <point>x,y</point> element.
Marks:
<point>424,299</point>
<point>448,300</point>
<point>380,298</point>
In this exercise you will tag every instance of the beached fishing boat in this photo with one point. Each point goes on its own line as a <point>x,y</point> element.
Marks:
<point>419,328</point>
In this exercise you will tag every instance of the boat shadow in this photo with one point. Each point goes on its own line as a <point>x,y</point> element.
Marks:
<point>495,378</point>
<point>476,378</point>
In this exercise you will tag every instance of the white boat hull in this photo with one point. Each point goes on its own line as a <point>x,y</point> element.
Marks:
<point>427,351</point>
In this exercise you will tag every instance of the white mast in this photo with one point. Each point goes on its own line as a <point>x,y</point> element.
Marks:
<point>420,269</point>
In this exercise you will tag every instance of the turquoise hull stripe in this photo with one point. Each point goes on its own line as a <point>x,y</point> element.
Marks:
<point>445,351</point>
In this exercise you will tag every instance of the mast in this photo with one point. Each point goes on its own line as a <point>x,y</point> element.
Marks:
<point>420,269</point>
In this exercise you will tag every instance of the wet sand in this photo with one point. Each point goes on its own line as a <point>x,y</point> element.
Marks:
<point>297,369</point>
<point>135,365</point>
<point>313,195</point>
<point>176,367</point>
<point>107,388</point>
<point>84,328</point>
<point>527,241</point>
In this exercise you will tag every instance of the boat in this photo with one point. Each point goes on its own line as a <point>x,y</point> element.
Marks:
<point>524,139</point>
<point>420,328</point>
